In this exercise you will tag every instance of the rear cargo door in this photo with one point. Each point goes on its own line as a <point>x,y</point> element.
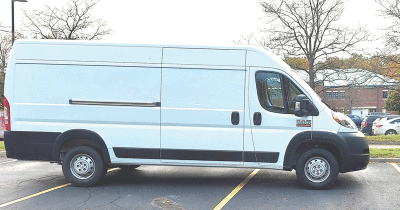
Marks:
<point>202,110</point>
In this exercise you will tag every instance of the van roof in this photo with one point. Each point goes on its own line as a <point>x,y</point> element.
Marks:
<point>78,50</point>
<point>119,44</point>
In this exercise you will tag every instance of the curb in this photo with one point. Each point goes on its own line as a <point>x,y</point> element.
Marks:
<point>3,154</point>
<point>384,146</point>
<point>384,160</point>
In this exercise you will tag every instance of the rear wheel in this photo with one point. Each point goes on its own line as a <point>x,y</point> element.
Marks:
<point>317,169</point>
<point>83,166</point>
<point>390,132</point>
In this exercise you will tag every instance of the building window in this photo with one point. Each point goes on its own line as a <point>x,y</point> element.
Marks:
<point>372,110</point>
<point>328,95</point>
<point>335,95</point>
<point>385,94</point>
<point>342,95</point>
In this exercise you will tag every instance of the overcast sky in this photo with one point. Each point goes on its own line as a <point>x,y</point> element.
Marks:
<point>193,22</point>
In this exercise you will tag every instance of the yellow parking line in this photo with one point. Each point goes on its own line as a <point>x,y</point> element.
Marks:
<point>236,190</point>
<point>42,192</point>
<point>395,166</point>
<point>34,195</point>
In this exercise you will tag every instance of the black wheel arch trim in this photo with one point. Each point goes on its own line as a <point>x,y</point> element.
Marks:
<point>80,134</point>
<point>316,138</point>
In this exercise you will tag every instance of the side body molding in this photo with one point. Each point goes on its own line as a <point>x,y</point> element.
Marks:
<point>81,134</point>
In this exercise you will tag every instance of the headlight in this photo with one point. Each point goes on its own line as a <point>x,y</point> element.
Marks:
<point>343,120</point>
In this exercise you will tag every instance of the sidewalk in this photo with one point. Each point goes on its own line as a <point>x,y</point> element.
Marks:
<point>384,146</point>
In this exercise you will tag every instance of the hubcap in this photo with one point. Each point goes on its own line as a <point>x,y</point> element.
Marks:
<point>317,169</point>
<point>82,166</point>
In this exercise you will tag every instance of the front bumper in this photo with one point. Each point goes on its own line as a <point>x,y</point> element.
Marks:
<point>357,157</point>
<point>378,131</point>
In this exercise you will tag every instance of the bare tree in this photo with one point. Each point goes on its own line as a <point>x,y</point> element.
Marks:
<point>3,28</point>
<point>307,28</point>
<point>5,48</point>
<point>391,11</point>
<point>74,21</point>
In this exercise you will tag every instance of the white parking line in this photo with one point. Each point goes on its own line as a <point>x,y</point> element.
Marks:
<point>9,161</point>
<point>395,166</point>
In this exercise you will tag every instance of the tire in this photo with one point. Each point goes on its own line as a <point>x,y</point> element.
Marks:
<point>390,132</point>
<point>83,166</point>
<point>317,169</point>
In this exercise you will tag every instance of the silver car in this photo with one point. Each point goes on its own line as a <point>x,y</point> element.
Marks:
<point>387,127</point>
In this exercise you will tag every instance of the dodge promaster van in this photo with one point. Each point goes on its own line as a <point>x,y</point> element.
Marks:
<point>92,105</point>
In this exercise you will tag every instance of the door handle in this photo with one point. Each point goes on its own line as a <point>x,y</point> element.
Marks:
<point>257,118</point>
<point>235,118</point>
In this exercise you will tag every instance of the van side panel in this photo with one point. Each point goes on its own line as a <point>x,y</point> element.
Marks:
<point>123,108</point>
<point>197,105</point>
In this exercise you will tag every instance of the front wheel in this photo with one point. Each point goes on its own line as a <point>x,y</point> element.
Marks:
<point>317,169</point>
<point>83,166</point>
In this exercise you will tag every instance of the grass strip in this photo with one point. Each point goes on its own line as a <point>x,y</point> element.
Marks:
<point>2,146</point>
<point>384,153</point>
<point>384,138</point>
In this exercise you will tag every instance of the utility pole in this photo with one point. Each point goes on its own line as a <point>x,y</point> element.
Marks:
<point>12,19</point>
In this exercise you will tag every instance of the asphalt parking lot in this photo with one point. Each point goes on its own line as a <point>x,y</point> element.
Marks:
<point>41,185</point>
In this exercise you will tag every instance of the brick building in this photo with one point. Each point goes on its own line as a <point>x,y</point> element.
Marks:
<point>352,91</point>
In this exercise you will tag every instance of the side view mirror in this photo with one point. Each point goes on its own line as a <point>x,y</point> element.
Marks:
<point>304,107</point>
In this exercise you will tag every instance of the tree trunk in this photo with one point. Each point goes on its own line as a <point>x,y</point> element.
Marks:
<point>311,73</point>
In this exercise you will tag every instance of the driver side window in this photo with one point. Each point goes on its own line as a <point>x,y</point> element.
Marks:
<point>269,90</point>
<point>276,93</point>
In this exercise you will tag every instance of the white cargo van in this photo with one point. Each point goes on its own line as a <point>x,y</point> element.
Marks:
<point>91,105</point>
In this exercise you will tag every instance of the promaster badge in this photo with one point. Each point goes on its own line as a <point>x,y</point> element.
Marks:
<point>303,123</point>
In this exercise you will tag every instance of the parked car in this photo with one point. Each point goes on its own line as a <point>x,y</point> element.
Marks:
<point>366,125</point>
<point>65,111</point>
<point>387,127</point>
<point>381,119</point>
<point>356,119</point>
